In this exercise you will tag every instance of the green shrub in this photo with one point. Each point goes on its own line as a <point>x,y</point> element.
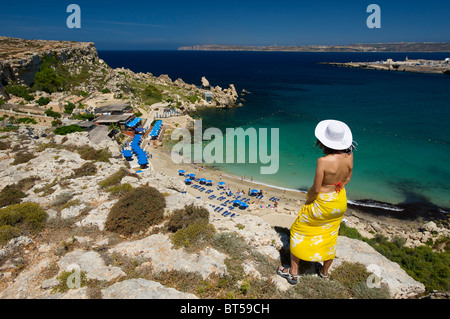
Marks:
<point>64,276</point>
<point>120,190</point>
<point>20,91</point>
<point>350,274</point>
<point>197,234</point>
<point>22,157</point>
<point>89,153</point>
<point>25,217</point>
<point>68,129</point>
<point>8,232</point>
<point>83,117</point>
<point>52,113</point>
<point>310,287</point>
<point>69,107</point>
<point>47,79</point>
<point>5,145</point>
<point>349,232</point>
<point>113,179</point>
<point>26,120</point>
<point>87,169</point>
<point>151,94</point>
<point>361,291</point>
<point>136,211</point>
<point>43,101</point>
<point>106,90</point>
<point>11,194</point>
<point>182,218</point>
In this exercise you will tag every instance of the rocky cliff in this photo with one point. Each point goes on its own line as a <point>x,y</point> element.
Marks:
<point>79,69</point>
<point>148,265</point>
<point>21,59</point>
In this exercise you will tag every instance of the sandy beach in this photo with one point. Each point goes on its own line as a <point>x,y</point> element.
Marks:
<point>287,207</point>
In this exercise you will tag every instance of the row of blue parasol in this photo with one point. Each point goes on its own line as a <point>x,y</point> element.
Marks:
<point>156,129</point>
<point>239,203</point>
<point>191,177</point>
<point>134,122</point>
<point>141,155</point>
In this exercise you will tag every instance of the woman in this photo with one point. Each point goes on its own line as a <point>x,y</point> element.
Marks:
<point>314,232</point>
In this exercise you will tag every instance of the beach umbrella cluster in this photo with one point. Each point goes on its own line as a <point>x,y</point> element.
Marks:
<point>239,203</point>
<point>134,122</point>
<point>156,130</point>
<point>138,151</point>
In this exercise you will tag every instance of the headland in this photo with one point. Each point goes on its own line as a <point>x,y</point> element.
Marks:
<point>408,65</point>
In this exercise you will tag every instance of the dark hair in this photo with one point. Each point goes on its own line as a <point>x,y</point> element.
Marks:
<point>327,150</point>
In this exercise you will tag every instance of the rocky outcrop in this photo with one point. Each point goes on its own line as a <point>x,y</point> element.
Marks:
<point>43,261</point>
<point>400,284</point>
<point>205,83</point>
<point>21,59</point>
<point>143,289</point>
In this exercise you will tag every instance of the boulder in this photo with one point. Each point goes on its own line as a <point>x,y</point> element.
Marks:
<point>143,289</point>
<point>205,82</point>
<point>164,256</point>
<point>400,284</point>
<point>92,263</point>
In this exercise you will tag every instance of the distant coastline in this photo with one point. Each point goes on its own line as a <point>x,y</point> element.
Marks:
<point>357,47</point>
<point>415,66</point>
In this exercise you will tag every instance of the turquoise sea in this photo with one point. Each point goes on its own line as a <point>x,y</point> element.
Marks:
<point>401,121</point>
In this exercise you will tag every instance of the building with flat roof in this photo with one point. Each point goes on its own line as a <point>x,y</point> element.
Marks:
<point>112,109</point>
<point>121,120</point>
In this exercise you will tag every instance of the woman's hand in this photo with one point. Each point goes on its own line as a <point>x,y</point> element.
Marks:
<point>312,195</point>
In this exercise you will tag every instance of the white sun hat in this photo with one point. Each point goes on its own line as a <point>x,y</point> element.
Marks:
<point>334,134</point>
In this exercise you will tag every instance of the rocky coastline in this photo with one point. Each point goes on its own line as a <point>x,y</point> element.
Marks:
<point>52,172</point>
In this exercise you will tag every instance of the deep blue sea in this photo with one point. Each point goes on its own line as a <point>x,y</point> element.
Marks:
<point>401,121</point>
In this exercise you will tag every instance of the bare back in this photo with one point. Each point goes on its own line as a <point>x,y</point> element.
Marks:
<point>333,170</point>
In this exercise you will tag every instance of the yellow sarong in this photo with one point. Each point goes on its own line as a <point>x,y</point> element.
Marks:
<point>314,233</point>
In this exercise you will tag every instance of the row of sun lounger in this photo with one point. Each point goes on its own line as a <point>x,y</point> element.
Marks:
<point>226,213</point>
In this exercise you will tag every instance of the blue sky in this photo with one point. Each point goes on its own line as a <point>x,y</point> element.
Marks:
<point>160,25</point>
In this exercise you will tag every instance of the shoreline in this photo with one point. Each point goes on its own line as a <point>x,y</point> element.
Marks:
<point>291,200</point>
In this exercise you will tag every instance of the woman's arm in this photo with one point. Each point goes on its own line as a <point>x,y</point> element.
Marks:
<point>318,180</point>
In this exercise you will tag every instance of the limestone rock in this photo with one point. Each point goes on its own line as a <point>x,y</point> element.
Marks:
<point>163,256</point>
<point>400,284</point>
<point>143,289</point>
<point>92,264</point>
<point>205,82</point>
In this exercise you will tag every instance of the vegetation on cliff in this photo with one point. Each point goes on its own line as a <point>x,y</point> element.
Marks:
<point>422,263</point>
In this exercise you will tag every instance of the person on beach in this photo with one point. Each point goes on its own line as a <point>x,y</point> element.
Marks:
<point>314,233</point>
